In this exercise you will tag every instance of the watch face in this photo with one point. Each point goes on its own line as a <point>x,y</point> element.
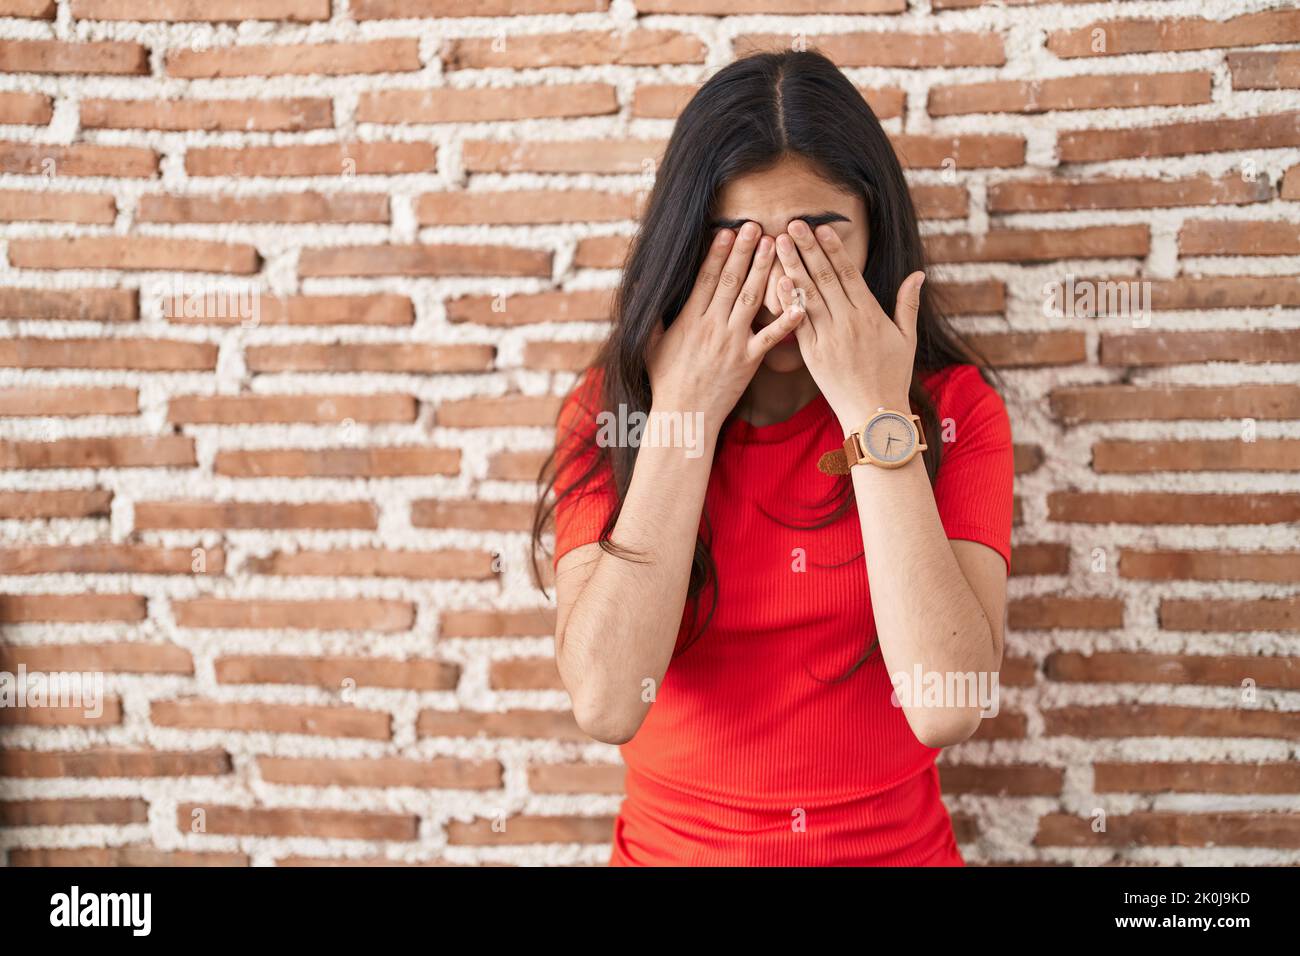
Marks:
<point>889,437</point>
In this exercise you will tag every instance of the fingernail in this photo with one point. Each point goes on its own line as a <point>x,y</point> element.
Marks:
<point>921,283</point>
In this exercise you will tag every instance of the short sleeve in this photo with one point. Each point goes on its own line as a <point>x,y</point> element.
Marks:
<point>582,506</point>
<point>974,488</point>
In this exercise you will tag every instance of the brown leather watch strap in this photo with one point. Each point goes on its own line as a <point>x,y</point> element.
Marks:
<point>836,461</point>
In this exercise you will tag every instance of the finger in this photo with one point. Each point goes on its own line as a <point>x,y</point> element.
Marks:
<point>908,304</point>
<point>735,270</point>
<point>788,253</point>
<point>819,267</point>
<point>706,280</point>
<point>851,280</point>
<point>751,294</point>
<point>766,338</point>
<point>785,294</point>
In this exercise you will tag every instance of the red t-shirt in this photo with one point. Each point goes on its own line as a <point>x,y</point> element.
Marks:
<point>753,753</point>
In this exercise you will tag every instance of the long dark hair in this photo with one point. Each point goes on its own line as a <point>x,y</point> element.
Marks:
<point>750,115</point>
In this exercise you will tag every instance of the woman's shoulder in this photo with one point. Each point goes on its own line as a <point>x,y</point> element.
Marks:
<point>960,390</point>
<point>957,381</point>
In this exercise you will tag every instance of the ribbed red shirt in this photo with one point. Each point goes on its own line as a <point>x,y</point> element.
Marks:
<point>753,753</point>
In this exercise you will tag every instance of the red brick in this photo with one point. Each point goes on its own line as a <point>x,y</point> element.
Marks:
<point>121,856</point>
<point>1057,195</point>
<point>1201,670</point>
<point>908,50</point>
<point>440,773</point>
<point>1194,614</point>
<point>74,503</point>
<point>447,105</point>
<point>1172,348</point>
<point>370,357</point>
<point>1173,35</point>
<point>170,515</point>
<point>276,207</point>
<point>253,717</point>
<point>343,614</point>
<point>507,411</point>
<point>1110,721</point>
<point>333,673</point>
<point>635,47</point>
<point>73,811</point>
<point>472,515</point>
<point>156,355</point>
<point>67,402</point>
<point>525,724</point>
<point>206,10</point>
<point>239,115</point>
<point>593,305</point>
<point>114,763</point>
<point>134,253</point>
<point>404,9</point>
<point>1103,91</point>
<point>250,409</point>
<point>380,310</point>
<point>285,822</point>
<point>71,607</point>
<point>377,563</point>
<point>424,260</point>
<point>1178,139</point>
<point>1265,70</point>
<point>1166,828</point>
<point>1040,245</point>
<point>396,55</point>
<point>530,829</point>
<point>79,159</point>
<point>1042,613</point>
<point>88,208</point>
<point>1160,777</point>
<point>1213,238</point>
<point>375,462</point>
<point>523,206</point>
<point>126,451</point>
<point>25,109</point>
<point>107,559</point>
<point>1166,565</point>
<point>529,623</point>
<point>1144,457</point>
<point>56,56</point>
<point>1155,507</point>
<point>82,305</point>
<point>326,159</point>
<point>135,657</point>
<point>571,156</point>
<point>1173,402</point>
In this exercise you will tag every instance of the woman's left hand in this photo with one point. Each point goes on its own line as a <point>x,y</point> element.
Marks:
<point>860,358</point>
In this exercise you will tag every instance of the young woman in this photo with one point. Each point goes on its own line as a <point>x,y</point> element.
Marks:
<point>734,611</point>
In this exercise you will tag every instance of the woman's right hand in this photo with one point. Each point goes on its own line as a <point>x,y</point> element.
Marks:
<point>707,357</point>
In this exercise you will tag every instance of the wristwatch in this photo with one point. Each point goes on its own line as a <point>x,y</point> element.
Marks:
<point>889,439</point>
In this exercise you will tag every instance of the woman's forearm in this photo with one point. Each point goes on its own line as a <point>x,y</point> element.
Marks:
<point>927,616</point>
<point>617,641</point>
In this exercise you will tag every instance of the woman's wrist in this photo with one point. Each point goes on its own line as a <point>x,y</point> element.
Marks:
<point>853,415</point>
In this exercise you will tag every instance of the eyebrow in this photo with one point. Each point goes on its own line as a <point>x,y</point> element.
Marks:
<point>814,220</point>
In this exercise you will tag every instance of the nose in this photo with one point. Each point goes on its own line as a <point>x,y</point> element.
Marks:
<point>771,301</point>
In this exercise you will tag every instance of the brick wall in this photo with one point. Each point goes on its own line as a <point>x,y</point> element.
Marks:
<point>292,538</point>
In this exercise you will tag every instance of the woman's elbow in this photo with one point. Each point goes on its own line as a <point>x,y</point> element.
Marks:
<point>940,728</point>
<point>602,722</point>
